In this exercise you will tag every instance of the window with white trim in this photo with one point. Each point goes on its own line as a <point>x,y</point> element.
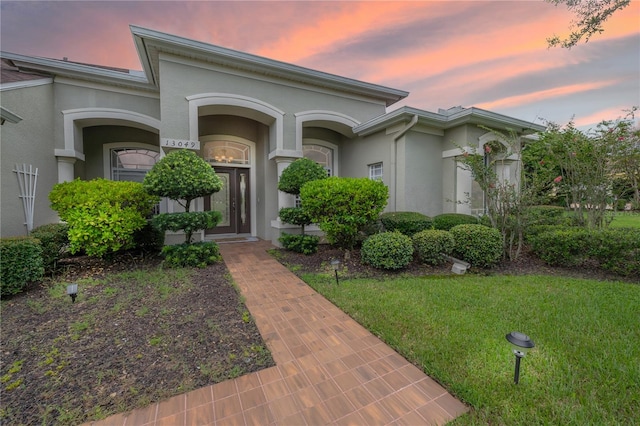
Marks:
<point>132,164</point>
<point>375,171</point>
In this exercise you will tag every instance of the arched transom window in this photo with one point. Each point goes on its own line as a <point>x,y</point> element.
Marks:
<point>132,164</point>
<point>321,155</point>
<point>227,152</point>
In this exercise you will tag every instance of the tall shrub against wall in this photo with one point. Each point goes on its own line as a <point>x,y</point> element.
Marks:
<point>102,215</point>
<point>342,206</point>
<point>20,263</point>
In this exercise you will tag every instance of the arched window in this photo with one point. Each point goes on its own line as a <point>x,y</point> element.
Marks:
<point>227,152</point>
<point>321,155</point>
<point>132,164</point>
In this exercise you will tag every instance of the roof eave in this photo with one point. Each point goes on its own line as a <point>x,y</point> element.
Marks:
<point>228,57</point>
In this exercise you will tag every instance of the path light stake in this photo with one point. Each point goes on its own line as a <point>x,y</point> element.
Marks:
<point>336,264</point>
<point>72,290</point>
<point>521,343</point>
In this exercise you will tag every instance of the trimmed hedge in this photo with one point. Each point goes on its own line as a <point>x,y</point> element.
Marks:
<point>479,245</point>
<point>408,223</point>
<point>300,243</point>
<point>54,239</point>
<point>446,221</point>
<point>388,250</point>
<point>190,222</point>
<point>547,215</point>
<point>20,263</point>
<point>430,245</point>
<point>616,250</point>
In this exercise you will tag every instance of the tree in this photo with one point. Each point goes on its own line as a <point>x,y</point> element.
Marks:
<point>343,206</point>
<point>506,202</point>
<point>182,176</point>
<point>591,15</point>
<point>298,173</point>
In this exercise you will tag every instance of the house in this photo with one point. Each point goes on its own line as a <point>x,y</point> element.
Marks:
<point>246,115</point>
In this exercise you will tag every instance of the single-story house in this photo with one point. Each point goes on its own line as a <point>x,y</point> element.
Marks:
<point>248,116</point>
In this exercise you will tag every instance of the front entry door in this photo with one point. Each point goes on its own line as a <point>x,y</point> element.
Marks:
<point>232,201</point>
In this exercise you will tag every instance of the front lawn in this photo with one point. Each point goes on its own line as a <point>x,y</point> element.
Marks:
<point>584,369</point>
<point>626,220</point>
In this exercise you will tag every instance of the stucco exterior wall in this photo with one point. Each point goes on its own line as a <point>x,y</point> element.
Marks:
<point>422,187</point>
<point>30,142</point>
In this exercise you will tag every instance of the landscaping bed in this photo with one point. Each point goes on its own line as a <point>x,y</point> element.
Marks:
<point>135,335</point>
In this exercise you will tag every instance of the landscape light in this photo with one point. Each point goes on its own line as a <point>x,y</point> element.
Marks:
<point>72,290</point>
<point>521,343</point>
<point>336,264</point>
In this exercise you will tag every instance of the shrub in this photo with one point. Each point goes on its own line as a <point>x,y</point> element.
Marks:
<point>563,247</point>
<point>546,215</point>
<point>388,250</point>
<point>616,250</point>
<point>187,221</point>
<point>342,207</point>
<point>477,244</point>
<point>430,245</point>
<point>20,262</point>
<point>446,221</point>
<point>294,216</point>
<point>185,255</point>
<point>306,244</point>
<point>407,223</point>
<point>102,214</point>
<point>298,173</point>
<point>54,239</point>
<point>149,239</point>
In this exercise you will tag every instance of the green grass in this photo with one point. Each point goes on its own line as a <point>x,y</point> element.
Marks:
<point>585,368</point>
<point>626,220</point>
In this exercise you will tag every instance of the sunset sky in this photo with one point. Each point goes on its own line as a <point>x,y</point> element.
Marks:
<point>487,54</point>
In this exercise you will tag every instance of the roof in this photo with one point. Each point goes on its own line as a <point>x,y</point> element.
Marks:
<point>446,119</point>
<point>9,73</point>
<point>150,43</point>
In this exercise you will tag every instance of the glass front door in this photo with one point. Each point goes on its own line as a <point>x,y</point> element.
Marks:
<point>232,201</point>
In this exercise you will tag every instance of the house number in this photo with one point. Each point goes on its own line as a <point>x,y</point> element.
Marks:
<point>179,143</point>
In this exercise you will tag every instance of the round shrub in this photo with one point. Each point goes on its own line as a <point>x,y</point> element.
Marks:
<point>479,245</point>
<point>407,223</point>
<point>430,245</point>
<point>54,239</point>
<point>447,221</point>
<point>388,250</point>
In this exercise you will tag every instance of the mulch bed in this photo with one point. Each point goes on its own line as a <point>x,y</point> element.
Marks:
<point>117,348</point>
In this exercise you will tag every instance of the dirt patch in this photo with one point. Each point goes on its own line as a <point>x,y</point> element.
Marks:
<point>128,340</point>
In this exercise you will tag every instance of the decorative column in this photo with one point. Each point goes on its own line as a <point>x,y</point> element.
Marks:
<point>65,169</point>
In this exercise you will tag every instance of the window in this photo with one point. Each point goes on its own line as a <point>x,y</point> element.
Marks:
<point>132,164</point>
<point>375,171</point>
<point>227,152</point>
<point>321,155</point>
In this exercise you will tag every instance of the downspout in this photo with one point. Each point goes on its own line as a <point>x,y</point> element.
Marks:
<point>394,159</point>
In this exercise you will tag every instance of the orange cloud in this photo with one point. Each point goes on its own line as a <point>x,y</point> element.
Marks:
<point>591,120</point>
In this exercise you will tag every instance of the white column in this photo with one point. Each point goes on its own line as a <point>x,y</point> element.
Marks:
<point>284,199</point>
<point>65,169</point>
<point>464,181</point>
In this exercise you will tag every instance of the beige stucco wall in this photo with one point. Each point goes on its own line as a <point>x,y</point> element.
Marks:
<point>30,142</point>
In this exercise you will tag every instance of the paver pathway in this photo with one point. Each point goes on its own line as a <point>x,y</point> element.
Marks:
<point>329,369</point>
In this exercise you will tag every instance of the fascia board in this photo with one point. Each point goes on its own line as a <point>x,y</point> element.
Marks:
<point>404,114</point>
<point>233,58</point>
<point>488,118</point>
<point>70,69</point>
<point>9,116</point>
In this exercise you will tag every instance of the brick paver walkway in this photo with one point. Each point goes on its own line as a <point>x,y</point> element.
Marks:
<point>329,369</point>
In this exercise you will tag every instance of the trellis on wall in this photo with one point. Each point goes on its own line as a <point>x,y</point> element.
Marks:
<point>27,180</point>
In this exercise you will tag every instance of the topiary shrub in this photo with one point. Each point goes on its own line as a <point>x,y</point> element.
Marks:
<point>54,239</point>
<point>342,207</point>
<point>479,245</point>
<point>407,223</point>
<point>446,221</point>
<point>430,245</point>
<point>305,244</point>
<point>388,250</point>
<point>149,239</point>
<point>20,263</point>
<point>188,222</point>
<point>102,214</point>
<point>185,255</point>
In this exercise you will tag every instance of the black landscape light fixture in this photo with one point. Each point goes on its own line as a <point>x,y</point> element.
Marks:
<point>72,290</point>
<point>521,343</point>
<point>336,265</point>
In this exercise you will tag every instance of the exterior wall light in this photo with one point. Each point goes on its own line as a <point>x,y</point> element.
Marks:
<point>521,344</point>
<point>335,263</point>
<point>72,290</point>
